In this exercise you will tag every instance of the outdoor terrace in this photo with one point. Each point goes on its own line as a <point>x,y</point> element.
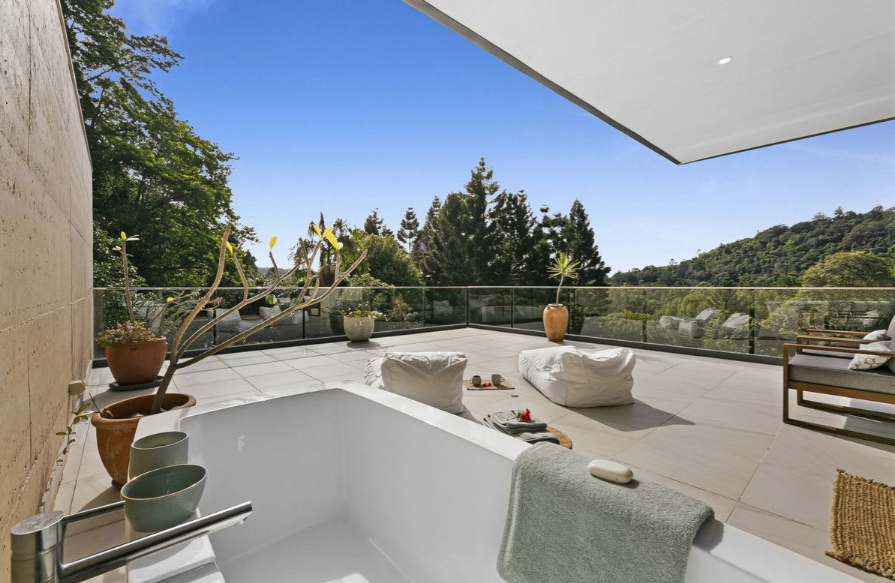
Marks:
<point>709,427</point>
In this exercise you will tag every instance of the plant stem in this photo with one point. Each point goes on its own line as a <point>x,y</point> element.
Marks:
<point>127,283</point>
<point>559,288</point>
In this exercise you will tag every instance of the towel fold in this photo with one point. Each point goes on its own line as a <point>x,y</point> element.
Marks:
<point>526,436</point>
<point>508,422</point>
<point>565,526</point>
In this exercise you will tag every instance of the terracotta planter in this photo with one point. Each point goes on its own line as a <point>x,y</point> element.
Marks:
<point>114,436</point>
<point>136,363</point>
<point>358,329</point>
<point>556,322</point>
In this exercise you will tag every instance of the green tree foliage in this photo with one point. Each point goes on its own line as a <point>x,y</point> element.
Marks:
<point>577,239</point>
<point>152,174</point>
<point>485,236</point>
<point>409,231</point>
<point>388,261</point>
<point>374,225</point>
<point>776,256</point>
<point>850,269</point>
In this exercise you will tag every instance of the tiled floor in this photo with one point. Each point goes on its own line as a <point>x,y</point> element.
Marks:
<point>708,427</point>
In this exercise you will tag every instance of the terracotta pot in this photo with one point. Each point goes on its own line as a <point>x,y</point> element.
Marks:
<point>556,321</point>
<point>114,436</point>
<point>136,363</point>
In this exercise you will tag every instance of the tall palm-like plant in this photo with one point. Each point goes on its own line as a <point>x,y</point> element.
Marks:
<point>564,267</point>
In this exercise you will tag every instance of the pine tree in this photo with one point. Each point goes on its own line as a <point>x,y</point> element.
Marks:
<point>578,239</point>
<point>409,231</point>
<point>422,251</point>
<point>514,242</point>
<point>449,251</point>
<point>373,225</point>
<point>479,190</point>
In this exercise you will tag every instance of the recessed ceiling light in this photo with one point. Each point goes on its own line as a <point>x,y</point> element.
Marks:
<point>725,60</point>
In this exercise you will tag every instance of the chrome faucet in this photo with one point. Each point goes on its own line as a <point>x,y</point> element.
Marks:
<point>37,544</point>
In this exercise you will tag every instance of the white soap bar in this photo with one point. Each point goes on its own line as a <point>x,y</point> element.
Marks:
<point>610,471</point>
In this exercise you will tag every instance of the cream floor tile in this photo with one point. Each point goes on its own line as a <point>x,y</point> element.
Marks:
<point>64,494</point>
<point>354,356</point>
<point>310,362</point>
<point>701,465</point>
<point>635,416</point>
<point>605,445</point>
<point>765,419</point>
<point>207,391</point>
<point>289,352</point>
<point>800,538</point>
<point>93,541</point>
<point>253,370</point>
<point>329,371</point>
<point>331,348</point>
<point>245,358</point>
<point>722,506</point>
<point>793,494</point>
<point>279,379</point>
<point>185,380</point>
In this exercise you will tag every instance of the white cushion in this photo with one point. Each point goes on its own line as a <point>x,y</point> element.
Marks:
<point>870,361</point>
<point>580,378</point>
<point>876,335</point>
<point>433,378</point>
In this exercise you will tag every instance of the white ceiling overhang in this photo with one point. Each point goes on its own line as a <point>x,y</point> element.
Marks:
<point>650,68</point>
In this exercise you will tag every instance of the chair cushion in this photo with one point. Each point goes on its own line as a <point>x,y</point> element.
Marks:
<point>870,361</point>
<point>433,378</point>
<point>293,319</point>
<point>232,323</point>
<point>580,378</point>
<point>876,335</point>
<point>834,372</point>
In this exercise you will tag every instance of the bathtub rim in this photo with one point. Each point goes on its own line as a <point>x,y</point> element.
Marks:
<point>754,556</point>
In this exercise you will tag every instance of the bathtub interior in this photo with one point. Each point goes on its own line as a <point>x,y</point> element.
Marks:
<point>348,489</point>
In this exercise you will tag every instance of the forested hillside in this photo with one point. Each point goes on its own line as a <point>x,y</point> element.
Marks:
<point>778,256</point>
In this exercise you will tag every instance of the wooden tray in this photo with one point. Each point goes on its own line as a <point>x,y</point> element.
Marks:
<point>504,386</point>
<point>564,440</point>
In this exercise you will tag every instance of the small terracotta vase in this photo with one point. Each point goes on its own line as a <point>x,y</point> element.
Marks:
<point>115,435</point>
<point>136,363</point>
<point>556,321</point>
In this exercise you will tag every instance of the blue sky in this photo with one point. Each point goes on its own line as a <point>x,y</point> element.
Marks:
<point>348,105</point>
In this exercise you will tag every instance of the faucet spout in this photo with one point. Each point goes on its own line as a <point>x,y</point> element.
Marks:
<point>37,544</point>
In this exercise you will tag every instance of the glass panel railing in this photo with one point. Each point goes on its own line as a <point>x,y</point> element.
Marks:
<point>726,320</point>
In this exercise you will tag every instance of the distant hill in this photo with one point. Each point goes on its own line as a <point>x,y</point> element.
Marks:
<point>776,256</point>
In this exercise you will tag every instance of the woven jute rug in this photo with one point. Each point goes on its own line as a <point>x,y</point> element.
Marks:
<point>862,524</point>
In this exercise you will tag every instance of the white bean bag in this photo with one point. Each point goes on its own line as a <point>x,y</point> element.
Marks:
<point>580,378</point>
<point>433,378</point>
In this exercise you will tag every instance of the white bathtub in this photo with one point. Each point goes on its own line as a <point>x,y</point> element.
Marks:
<point>356,485</point>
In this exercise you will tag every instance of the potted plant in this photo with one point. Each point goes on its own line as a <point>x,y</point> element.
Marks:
<point>359,322</point>
<point>116,424</point>
<point>134,351</point>
<point>556,316</point>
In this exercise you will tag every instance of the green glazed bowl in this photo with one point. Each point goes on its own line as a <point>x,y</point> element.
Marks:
<point>156,451</point>
<point>164,497</point>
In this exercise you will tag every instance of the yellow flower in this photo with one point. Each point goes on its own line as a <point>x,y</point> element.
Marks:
<point>316,229</point>
<point>229,247</point>
<point>273,241</point>
<point>116,248</point>
<point>169,299</point>
<point>328,235</point>
<point>123,235</point>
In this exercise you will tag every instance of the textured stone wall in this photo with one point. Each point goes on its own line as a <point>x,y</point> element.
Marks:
<point>45,252</point>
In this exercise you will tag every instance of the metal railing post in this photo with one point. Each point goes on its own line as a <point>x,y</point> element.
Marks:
<point>513,307</point>
<point>752,322</point>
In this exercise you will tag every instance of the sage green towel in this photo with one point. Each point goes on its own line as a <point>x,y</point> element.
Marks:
<point>566,526</point>
<point>507,422</point>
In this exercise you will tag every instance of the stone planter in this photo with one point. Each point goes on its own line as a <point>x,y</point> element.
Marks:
<point>136,363</point>
<point>556,322</point>
<point>358,329</point>
<point>115,435</point>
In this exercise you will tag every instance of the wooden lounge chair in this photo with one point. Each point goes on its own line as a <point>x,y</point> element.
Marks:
<point>810,367</point>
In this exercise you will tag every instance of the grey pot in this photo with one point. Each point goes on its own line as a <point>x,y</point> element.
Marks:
<point>163,498</point>
<point>358,329</point>
<point>159,450</point>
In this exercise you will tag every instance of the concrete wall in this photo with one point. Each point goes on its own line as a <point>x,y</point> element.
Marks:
<point>45,252</point>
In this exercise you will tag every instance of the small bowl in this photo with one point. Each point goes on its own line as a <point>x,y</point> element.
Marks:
<point>164,497</point>
<point>158,450</point>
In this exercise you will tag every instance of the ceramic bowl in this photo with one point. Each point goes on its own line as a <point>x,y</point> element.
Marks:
<point>159,450</point>
<point>164,497</point>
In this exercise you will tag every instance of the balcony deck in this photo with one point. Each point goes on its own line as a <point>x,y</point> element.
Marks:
<point>708,427</point>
